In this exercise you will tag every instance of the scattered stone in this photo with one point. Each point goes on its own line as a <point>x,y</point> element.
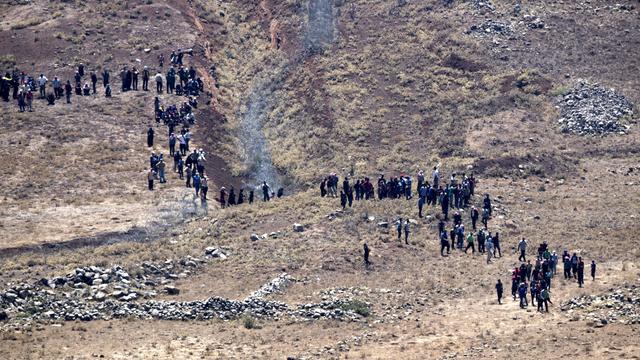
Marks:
<point>254,237</point>
<point>298,227</point>
<point>383,224</point>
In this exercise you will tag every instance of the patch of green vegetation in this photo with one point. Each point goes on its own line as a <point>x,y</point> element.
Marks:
<point>249,322</point>
<point>27,23</point>
<point>7,61</point>
<point>357,306</point>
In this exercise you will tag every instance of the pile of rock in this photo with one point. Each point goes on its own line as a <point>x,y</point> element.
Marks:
<point>483,5</point>
<point>590,109</point>
<point>618,305</point>
<point>276,285</point>
<point>534,22</point>
<point>491,27</point>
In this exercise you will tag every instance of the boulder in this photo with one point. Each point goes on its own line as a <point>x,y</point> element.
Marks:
<point>254,237</point>
<point>383,224</point>
<point>172,290</point>
<point>298,227</point>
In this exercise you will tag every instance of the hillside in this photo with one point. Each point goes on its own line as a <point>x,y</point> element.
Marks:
<point>537,100</point>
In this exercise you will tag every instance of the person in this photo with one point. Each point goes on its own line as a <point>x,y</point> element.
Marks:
<point>150,137</point>
<point>134,78</point>
<point>489,247</point>
<point>172,144</point>
<point>196,182</point>
<point>366,255</point>
<point>323,187</point>
<point>265,191</point>
<point>107,91</point>
<point>145,78</point>
<point>250,196</point>
<point>232,197</point>
<point>42,82</point>
<point>545,299</point>
<point>474,217</point>
<point>487,204</point>
<point>67,91</point>
<point>94,81</point>
<point>51,99</point>
<point>189,175</point>
<point>105,78</point>
<point>86,90</point>
<point>534,291</point>
<point>470,244</point>
<point>29,98</point>
<point>574,265</point>
<point>407,229</point>
<point>499,290</point>
<point>496,245</point>
<point>580,272</point>
<point>343,199</point>
<point>444,243</point>
<point>204,187</point>
<point>593,270</point>
<point>150,177</point>
<point>522,294</point>
<point>22,103</point>
<point>241,196</point>
<point>159,80</point>
<point>399,228</point>
<point>57,87</point>
<point>161,167</point>
<point>522,247</point>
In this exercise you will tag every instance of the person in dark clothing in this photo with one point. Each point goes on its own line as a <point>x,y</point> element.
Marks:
<point>421,201</point>
<point>399,228</point>
<point>343,199</point>
<point>323,187</point>
<point>81,70</point>
<point>444,203</point>
<point>107,91</point>
<point>232,196</point>
<point>580,272</point>
<point>67,91</point>
<point>145,79</point>
<point>496,245</point>
<point>94,81</point>
<point>593,270</point>
<point>223,197</point>
<point>474,217</point>
<point>150,137</point>
<point>265,192</point>
<point>499,291</point>
<point>105,78</point>
<point>366,255</point>
<point>350,197</point>
<point>51,99</point>
<point>444,243</point>
<point>250,196</point>
<point>134,78</point>
<point>281,192</point>
<point>241,197</point>
<point>487,204</point>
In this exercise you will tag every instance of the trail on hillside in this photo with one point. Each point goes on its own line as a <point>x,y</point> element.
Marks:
<point>318,36</point>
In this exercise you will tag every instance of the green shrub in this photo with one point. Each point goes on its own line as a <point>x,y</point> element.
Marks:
<point>359,307</point>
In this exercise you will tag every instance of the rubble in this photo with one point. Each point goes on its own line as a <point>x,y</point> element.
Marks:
<point>620,305</point>
<point>491,27</point>
<point>590,109</point>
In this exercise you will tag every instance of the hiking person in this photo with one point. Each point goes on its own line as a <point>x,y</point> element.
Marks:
<point>94,81</point>
<point>161,167</point>
<point>265,192</point>
<point>150,133</point>
<point>444,243</point>
<point>172,144</point>
<point>474,217</point>
<point>150,177</point>
<point>534,291</point>
<point>343,199</point>
<point>188,176</point>
<point>566,262</point>
<point>522,294</point>
<point>522,247</point>
<point>514,285</point>
<point>29,99</point>
<point>481,239</point>
<point>407,229</point>
<point>399,228</point>
<point>496,245</point>
<point>250,196</point>
<point>499,291</point>
<point>545,299</point>
<point>204,187</point>
<point>489,247</point>
<point>105,78</point>
<point>323,187</point>
<point>241,197</point>
<point>366,255</point>
<point>42,82</point>
<point>486,204</point>
<point>180,168</point>
<point>22,103</point>
<point>145,78</point>
<point>580,272</point>
<point>196,183</point>
<point>159,80</point>
<point>593,270</point>
<point>574,265</point>
<point>134,78</point>
<point>67,91</point>
<point>470,244</point>
<point>232,196</point>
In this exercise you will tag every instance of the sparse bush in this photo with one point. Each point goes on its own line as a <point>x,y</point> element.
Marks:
<point>249,322</point>
<point>357,306</point>
<point>27,23</point>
